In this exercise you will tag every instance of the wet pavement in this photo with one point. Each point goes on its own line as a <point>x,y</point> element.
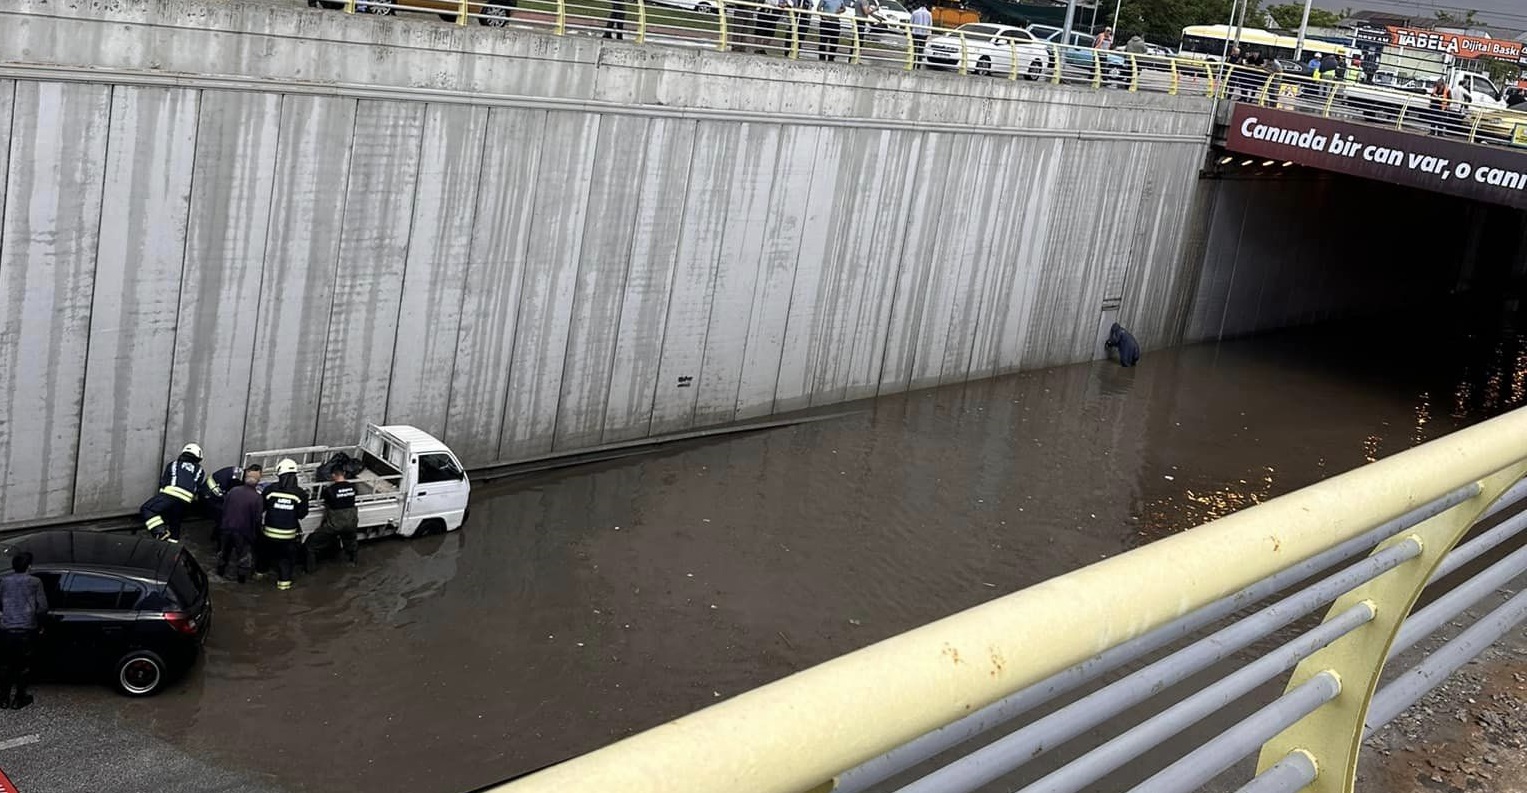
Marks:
<point>581,606</point>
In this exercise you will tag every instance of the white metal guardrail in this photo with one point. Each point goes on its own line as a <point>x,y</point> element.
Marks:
<point>1362,546</point>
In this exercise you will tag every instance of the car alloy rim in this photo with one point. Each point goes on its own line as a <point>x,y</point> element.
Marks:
<point>497,15</point>
<point>140,675</point>
<point>381,7</point>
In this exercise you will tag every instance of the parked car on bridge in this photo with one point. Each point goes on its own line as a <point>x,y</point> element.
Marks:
<point>126,609</point>
<point>987,49</point>
<point>492,13</point>
<point>1079,59</point>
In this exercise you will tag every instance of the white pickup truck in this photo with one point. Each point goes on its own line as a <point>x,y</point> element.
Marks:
<point>409,482</point>
<point>1471,93</point>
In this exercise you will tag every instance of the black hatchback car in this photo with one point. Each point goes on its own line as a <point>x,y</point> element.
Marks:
<point>128,609</point>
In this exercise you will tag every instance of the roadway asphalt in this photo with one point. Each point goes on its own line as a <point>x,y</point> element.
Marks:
<point>82,739</point>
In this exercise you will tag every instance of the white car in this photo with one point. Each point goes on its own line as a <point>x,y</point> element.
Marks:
<point>893,15</point>
<point>988,49</point>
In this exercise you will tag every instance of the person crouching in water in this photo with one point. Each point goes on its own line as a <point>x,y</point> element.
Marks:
<point>340,520</point>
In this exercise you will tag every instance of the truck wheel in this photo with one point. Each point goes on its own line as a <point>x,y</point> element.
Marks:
<point>431,526</point>
<point>140,673</point>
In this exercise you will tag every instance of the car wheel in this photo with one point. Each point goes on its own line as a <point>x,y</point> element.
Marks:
<point>429,527</point>
<point>983,66</point>
<point>381,8</point>
<point>1036,69</point>
<point>451,18</point>
<point>705,8</point>
<point>495,15</point>
<point>140,673</point>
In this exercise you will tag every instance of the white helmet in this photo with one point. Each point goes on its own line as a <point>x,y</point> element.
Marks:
<point>286,466</point>
<point>193,449</point>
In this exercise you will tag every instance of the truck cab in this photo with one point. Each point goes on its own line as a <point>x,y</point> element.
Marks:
<point>408,482</point>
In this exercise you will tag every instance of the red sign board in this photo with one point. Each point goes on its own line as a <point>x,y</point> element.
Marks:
<point>1486,173</point>
<point>1457,45</point>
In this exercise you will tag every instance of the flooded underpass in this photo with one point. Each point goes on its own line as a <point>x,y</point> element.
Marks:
<point>580,606</point>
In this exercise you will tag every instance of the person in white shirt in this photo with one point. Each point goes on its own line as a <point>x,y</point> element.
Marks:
<point>922,22</point>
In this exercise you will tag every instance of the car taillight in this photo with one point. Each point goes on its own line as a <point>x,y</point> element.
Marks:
<point>185,623</point>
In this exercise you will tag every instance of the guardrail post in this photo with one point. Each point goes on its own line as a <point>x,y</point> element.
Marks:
<point>641,21</point>
<point>964,55</point>
<point>1330,100</point>
<point>1399,119</point>
<point>1333,734</point>
<point>1134,73</point>
<point>1059,58</point>
<point>561,27</point>
<point>461,15</point>
<point>1012,59</point>
<point>795,33</point>
<point>1266,90</point>
<point>1097,69</point>
<point>1479,116</point>
<point>911,47</point>
<point>1209,76</point>
<point>349,6</point>
<point>720,23</point>
<point>1172,90</point>
<point>854,58</point>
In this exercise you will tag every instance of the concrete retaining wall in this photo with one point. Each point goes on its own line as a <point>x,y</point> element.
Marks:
<point>526,244</point>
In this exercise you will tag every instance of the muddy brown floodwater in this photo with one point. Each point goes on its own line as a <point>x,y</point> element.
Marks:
<point>578,607</point>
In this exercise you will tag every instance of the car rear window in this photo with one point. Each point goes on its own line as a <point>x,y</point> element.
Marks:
<point>187,581</point>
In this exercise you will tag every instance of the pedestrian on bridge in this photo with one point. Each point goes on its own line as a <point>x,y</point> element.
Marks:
<point>829,30</point>
<point>243,514</point>
<point>922,24</point>
<point>615,25</point>
<point>286,505</point>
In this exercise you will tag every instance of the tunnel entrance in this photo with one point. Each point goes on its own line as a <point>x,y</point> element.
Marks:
<point>1290,243</point>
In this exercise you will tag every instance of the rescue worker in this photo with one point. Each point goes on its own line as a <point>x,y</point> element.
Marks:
<point>286,504</point>
<point>242,516</point>
<point>180,484</point>
<point>340,520</point>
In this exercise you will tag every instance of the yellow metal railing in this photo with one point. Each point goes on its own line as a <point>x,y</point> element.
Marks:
<point>799,733</point>
<point>795,33</point>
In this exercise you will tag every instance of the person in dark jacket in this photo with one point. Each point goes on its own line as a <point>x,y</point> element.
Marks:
<point>181,483</point>
<point>286,504</point>
<point>219,484</point>
<point>243,513</point>
<point>1120,339</point>
<point>22,604</point>
<point>340,519</point>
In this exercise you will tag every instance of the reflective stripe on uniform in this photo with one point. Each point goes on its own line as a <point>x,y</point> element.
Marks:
<point>178,492</point>
<point>153,523</point>
<point>283,494</point>
<point>280,534</point>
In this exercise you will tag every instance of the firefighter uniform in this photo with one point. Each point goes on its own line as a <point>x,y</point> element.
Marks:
<point>286,504</point>
<point>222,481</point>
<point>181,483</point>
<point>340,520</point>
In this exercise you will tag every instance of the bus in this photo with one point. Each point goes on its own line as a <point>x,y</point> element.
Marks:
<point>1208,43</point>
